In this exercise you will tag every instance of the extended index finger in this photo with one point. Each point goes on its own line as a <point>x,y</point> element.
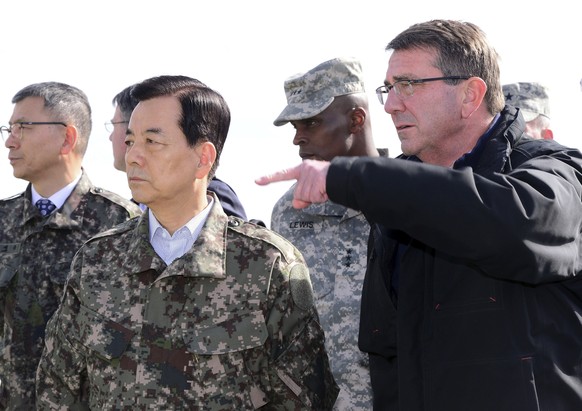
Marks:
<point>282,175</point>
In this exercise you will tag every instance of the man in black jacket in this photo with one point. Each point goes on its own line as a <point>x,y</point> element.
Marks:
<point>473,297</point>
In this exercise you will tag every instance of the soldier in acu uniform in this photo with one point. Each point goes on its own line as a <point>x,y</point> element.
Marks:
<point>185,307</point>
<point>47,139</point>
<point>533,102</point>
<point>328,109</point>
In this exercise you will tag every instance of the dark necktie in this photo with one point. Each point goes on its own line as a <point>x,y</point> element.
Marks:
<point>45,206</point>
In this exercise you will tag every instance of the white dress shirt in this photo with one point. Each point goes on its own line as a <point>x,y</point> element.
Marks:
<point>58,198</point>
<point>170,247</point>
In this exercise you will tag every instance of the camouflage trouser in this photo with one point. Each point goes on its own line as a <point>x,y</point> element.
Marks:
<point>3,396</point>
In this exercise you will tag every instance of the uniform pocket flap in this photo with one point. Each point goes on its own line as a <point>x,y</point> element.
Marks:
<point>238,332</point>
<point>9,262</point>
<point>107,338</point>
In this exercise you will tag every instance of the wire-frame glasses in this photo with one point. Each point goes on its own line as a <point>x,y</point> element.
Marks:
<point>405,88</point>
<point>16,129</point>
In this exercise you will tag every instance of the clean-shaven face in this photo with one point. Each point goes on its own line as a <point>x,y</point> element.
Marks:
<point>160,165</point>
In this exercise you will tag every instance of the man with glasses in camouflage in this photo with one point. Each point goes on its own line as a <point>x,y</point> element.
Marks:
<point>43,227</point>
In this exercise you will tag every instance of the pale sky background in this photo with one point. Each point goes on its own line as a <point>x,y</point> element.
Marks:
<point>246,49</point>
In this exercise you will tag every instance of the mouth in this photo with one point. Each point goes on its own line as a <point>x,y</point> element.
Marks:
<point>309,156</point>
<point>134,179</point>
<point>402,127</point>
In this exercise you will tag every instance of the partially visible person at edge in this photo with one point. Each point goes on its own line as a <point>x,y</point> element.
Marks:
<point>473,295</point>
<point>185,307</point>
<point>47,137</point>
<point>124,104</point>
<point>328,108</point>
<point>533,101</point>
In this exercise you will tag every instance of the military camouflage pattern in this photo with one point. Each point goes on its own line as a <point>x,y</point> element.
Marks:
<point>310,93</point>
<point>333,240</point>
<point>531,98</point>
<point>230,325</point>
<point>35,256</point>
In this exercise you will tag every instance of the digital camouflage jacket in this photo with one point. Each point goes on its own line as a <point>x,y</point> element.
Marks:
<point>35,256</point>
<point>230,325</point>
<point>333,239</point>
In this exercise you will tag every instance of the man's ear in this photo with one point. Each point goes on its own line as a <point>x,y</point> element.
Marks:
<point>70,141</point>
<point>206,158</point>
<point>474,91</point>
<point>358,118</point>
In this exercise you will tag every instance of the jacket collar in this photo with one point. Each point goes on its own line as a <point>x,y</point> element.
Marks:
<point>206,258</point>
<point>69,216</point>
<point>491,154</point>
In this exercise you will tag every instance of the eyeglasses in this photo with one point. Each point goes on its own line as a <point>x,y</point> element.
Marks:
<point>111,125</point>
<point>405,88</point>
<point>16,129</point>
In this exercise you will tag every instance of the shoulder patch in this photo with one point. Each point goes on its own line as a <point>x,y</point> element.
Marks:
<point>129,205</point>
<point>300,285</point>
<point>13,197</point>
<point>288,250</point>
<point>118,229</point>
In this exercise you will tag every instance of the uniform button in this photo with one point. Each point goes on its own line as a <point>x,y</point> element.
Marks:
<point>233,223</point>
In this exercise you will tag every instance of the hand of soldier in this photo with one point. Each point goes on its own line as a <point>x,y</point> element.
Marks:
<point>310,187</point>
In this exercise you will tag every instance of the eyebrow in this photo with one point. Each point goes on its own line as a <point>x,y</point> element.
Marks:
<point>404,77</point>
<point>154,130</point>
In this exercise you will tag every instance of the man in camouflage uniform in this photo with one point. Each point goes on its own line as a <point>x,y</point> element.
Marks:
<point>328,108</point>
<point>533,101</point>
<point>47,139</point>
<point>186,307</point>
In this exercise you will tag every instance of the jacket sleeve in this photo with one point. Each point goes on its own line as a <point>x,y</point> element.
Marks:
<point>61,374</point>
<point>524,225</point>
<point>301,376</point>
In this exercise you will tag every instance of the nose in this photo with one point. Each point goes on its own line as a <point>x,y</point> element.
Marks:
<point>393,103</point>
<point>299,138</point>
<point>11,141</point>
<point>133,154</point>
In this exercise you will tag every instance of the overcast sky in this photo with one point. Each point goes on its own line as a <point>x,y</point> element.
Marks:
<point>246,49</point>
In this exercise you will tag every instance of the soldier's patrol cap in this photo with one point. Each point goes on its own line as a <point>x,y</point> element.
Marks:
<point>308,94</point>
<point>531,98</point>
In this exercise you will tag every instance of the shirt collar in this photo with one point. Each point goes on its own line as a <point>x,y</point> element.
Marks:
<point>194,225</point>
<point>58,198</point>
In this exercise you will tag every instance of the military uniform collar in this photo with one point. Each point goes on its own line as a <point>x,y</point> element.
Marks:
<point>206,258</point>
<point>70,215</point>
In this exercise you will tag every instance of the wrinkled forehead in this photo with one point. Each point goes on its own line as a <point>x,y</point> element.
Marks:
<point>156,113</point>
<point>412,63</point>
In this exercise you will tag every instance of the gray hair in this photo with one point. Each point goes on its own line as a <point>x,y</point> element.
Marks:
<point>66,103</point>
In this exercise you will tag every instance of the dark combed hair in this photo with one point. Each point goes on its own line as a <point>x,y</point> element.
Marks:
<point>205,114</point>
<point>125,101</point>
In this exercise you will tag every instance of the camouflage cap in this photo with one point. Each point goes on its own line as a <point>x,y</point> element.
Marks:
<point>531,98</point>
<point>308,94</point>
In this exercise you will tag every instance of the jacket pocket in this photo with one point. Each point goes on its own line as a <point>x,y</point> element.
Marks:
<point>235,333</point>
<point>228,367</point>
<point>460,288</point>
<point>9,263</point>
<point>486,385</point>
<point>106,338</point>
